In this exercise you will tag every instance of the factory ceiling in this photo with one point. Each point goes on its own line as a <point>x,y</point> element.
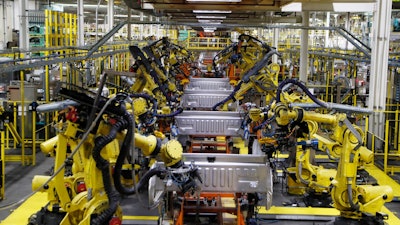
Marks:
<point>219,13</point>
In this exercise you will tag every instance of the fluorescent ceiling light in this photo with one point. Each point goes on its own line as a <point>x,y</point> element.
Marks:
<point>213,0</point>
<point>211,21</point>
<point>84,6</point>
<point>210,28</point>
<point>211,11</point>
<point>211,17</point>
<point>333,7</point>
<point>354,7</point>
<point>147,6</point>
<point>126,16</point>
<point>292,7</point>
<point>208,31</point>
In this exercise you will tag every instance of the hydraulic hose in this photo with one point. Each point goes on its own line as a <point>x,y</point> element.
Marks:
<point>178,111</point>
<point>300,85</point>
<point>76,149</point>
<point>259,65</point>
<point>353,206</point>
<point>299,171</point>
<point>146,177</point>
<point>103,165</point>
<point>129,119</point>
<point>267,121</point>
<point>231,96</point>
<point>123,155</point>
<point>147,97</point>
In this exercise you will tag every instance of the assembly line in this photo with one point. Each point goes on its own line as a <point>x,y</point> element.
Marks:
<point>191,139</point>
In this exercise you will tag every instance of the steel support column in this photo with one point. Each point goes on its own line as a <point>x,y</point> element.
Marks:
<point>81,37</point>
<point>304,47</point>
<point>327,24</point>
<point>379,66</point>
<point>23,26</point>
<point>97,20</point>
<point>275,44</point>
<point>347,26</point>
<point>141,26</point>
<point>110,16</point>
<point>129,25</point>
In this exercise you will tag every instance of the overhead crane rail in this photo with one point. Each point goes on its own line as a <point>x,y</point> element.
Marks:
<point>78,53</point>
<point>52,59</point>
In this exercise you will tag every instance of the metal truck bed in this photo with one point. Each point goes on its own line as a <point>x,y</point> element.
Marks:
<point>226,173</point>
<point>209,84</point>
<point>209,123</point>
<point>203,99</point>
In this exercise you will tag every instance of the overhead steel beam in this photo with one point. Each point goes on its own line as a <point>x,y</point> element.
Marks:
<point>197,6</point>
<point>56,61</point>
<point>238,20</point>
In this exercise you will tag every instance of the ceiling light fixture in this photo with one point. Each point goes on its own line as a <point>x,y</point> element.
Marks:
<point>211,17</point>
<point>210,28</point>
<point>331,7</point>
<point>292,7</point>
<point>354,7</point>
<point>212,11</point>
<point>213,0</point>
<point>211,21</point>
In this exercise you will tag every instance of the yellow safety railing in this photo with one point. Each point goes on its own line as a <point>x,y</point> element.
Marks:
<point>207,43</point>
<point>2,162</point>
<point>387,148</point>
<point>18,137</point>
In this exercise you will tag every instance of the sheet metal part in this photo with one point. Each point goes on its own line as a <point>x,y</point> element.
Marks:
<point>226,173</point>
<point>209,123</point>
<point>209,84</point>
<point>203,99</point>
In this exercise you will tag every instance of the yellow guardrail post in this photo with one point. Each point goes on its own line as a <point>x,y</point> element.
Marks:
<point>396,130</point>
<point>398,134</point>
<point>3,169</point>
<point>385,156</point>
<point>15,112</point>
<point>48,31</point>
<point>366,131</point>
<point>373,143</point>
<point>22,126</point>
<point>33,137</point>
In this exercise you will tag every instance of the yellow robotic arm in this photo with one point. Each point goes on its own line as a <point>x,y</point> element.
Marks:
<point>170,152</point>
<point>360,202</point>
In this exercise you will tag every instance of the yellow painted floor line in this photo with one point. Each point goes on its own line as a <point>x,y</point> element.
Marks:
<point>155,218</point>
<point>277,210</point>
<point>21,214</point>
<point>314,211</point>
<point>384,179</point>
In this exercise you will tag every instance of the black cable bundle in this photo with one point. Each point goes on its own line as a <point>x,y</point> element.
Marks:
<point>103,165</point>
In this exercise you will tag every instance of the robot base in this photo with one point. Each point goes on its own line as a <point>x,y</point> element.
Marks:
<point>318,200</point>
<point>378,219</point>
<point>46,217</point>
